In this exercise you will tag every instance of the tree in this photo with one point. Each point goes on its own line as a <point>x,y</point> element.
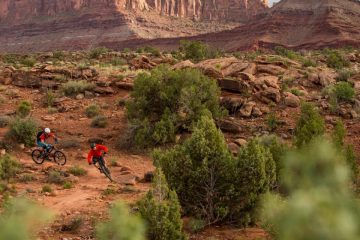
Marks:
<point>160,209</point>
<point>320,205</point>
<point>121,226</point>
<point>309,126</point>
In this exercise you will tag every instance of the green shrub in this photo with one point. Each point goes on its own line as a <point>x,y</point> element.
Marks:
<point>99,122</point>
<point>23,131</point>
<point>318,186</point>
<point>196,225</point>
<point>194,50</point>
<point>28,61</point>
<point>92,110</point>
<point>116,61</point>
<point>166,101</point>
<point>4,121</point>
<point>55,177</point>
<point>27,178</point>
<point>309,125</point>
<point>287,53</point>
<point>309,63</point>
<point>344,75</point>
<point>296,92</point>
<point>96,52</point>
<point>160,209</point>
<point>10,58</point>
<point>334,59</point>
<point>72,88</point>
<point>52,110</point>
<point>8,167</point>
<point>344,92</point>
<point>21,219</point>
<point>24,108</point>
<point>77,171</point>
<point>68,185</point>
<point>74,225</point>
<point>148,49</point>
<point>109,191</point>
<point>49,99</point>
<point>272,122</point>
<point>60,55</point>
<point>121,226</point>
<point>208,169</point>
<point>46,189</point>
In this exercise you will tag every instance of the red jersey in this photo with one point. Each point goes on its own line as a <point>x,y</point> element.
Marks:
<point>44,136</point>
<point>97,152</point>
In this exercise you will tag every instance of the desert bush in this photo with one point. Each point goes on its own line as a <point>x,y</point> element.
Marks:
<point>160,209</point>
<point>109,191</point>
<point>344,92</point>
<point>121,226</point>
<point>55,177</point>
<point>196,225</point>
<point>28,61</point>
<point>27,178</point>
<point>208,169</point>
<point>23,131</point>
<point>72,88</point>
<point>165,101</point>
<point>317,181</point>
<point>4,121</point>
<point>23,108</point>
<point>92,110</point>
<point>334,59</point>
<point>197,50</point>
<point>148,49</point>
<point>68,185</point>
<point>309,63</point>
<point>52,110</point>
<point>287,53</point>
<point>49,99</point>
<point>296,92</point>
<point>59,55</point>
<point>309,125</point>
<point>344,75</point>
<point>272,122</point>
<point>8,167</point>
<point>77,171</point>
<point>46,189</point>
<point>69,143</point>
<point>116,61</point>
<point>97,52</point>
<point>99,122</point>
<point>21,219</point>
<point>10,58</point>
<point>74,225</point>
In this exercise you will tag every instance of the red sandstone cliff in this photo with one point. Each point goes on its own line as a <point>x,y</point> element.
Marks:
<point>40,25</point>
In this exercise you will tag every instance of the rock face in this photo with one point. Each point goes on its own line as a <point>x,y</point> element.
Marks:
<point>294,24</point>
<point>40,25</point>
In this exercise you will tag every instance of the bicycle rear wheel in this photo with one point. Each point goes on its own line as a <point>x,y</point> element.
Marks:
<point>36,156</point>
<point>59,158</point>
<point>105,170</point>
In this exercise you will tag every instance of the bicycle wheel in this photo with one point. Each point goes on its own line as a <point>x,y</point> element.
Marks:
<point>36,156</point>
<point>59,158</point>
<point>105,170</point>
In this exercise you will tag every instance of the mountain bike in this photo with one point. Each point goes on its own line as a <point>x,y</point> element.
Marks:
<point>39,155</point>
<point>102,167</point>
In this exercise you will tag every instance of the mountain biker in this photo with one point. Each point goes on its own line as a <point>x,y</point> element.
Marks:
<point>42,136</point>
<point>96,153</point>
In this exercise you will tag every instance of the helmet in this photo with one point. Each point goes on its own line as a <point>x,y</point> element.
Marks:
<point>47,130</point>
<point>92,145</point>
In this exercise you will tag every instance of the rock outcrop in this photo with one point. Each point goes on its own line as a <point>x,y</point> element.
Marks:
<point>40,25</point>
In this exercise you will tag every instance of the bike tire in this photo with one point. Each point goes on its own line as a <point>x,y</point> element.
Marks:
<point>105,170</point>
<point>59,158</point>
<point>35,155</point>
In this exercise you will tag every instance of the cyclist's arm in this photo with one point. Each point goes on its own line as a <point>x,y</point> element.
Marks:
<point>103,148</point>
<point>89,158</point>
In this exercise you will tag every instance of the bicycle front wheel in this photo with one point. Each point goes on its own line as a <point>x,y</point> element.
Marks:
<point>59,158</point>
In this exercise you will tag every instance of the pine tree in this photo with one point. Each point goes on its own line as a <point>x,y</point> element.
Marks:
<point>160,209</point>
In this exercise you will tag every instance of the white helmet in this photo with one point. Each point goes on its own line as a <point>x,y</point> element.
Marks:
<point>47,130</point>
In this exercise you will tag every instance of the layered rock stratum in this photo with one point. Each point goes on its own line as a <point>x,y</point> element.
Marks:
<point>40,25</point>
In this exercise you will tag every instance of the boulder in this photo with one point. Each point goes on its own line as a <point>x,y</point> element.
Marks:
<point>269,95</point>
<point>234,85</point>
<point>183,64</point>
<point>240,142</point>
<point>6,76</point>
<point>291,100</point>
<point>104,90</point>
<point>234,148</point>
<point>270,81</point>
<point>28,79</point>
<point>250,69</point>
<point>270,69</point>
<point>142,62</point>
<point>232,104</point>
<point>229,125</point>
<point>256,112</point>
<point>247,109</point>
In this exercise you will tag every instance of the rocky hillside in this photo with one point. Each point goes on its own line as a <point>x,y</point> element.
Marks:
<point>294,24</point>
<point>34,25</point>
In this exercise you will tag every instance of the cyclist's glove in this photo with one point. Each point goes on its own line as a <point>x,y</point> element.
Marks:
<point>90,163</point>
<point>105,153</point>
